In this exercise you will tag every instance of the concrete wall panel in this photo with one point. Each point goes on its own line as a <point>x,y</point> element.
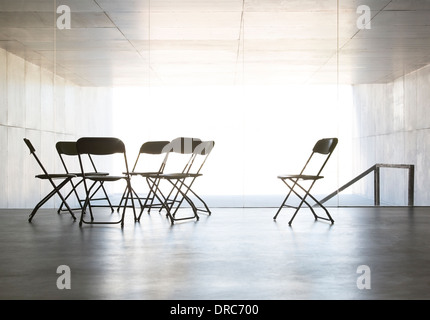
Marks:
<point>43,107</point>
<point>15,163</point>
<point>423,98</point>
<point>422,170</point>
<point>3,87</point>
<point>31,186</point>
<point>3,167</point>
<point>15,90</point>
<point>398,133</point>
<point>410,100</point>
<point>32,96</point>
<point>47,101</point>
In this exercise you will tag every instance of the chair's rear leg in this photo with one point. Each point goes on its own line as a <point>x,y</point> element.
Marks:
<point>107,198</point>
<point>281,206</point>
<point>40,204</point>
<point>324,208</point>
<point>122,199</point>
<point>286,198</point>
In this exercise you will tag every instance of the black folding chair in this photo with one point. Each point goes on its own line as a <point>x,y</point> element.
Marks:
<point>65,177</point>
<point>324,148</point>
<point>104,147</point>
<point>156,149</point>
<point>68,148</point>
<point>181,183</point>
<point>180,154</point>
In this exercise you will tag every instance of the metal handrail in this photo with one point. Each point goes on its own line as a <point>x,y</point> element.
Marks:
<point>376,170</point>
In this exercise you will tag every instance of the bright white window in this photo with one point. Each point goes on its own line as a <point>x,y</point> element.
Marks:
<point>259,132</point>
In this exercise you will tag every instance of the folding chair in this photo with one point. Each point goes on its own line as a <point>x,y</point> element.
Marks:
<point>104,147</point>
<point>65,177</point>
<point>180,151</point>
<point>324,148</point>
<point>68,148</point>
<point>181,183</point>
<point>156,149</point>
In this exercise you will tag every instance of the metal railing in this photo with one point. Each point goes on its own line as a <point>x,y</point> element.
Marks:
<point>376,181</point>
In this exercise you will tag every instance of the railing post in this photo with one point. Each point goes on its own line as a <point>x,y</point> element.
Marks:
<point>411,177</point>
<point>377,193</point>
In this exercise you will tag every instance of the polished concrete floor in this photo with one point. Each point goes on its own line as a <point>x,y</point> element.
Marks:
<point>235,254</point>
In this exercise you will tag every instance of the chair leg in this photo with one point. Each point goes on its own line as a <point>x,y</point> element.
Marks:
<point>40,204</point>
<point>281,206</point>
<point>329,218</point>
<point>69,194</point>
<point>107,197</point>
<point>122,198</point>
<point>152,196</point>
<point>207,210</point>
<point>317,202</point>
<point>130,195</point>
<point>303,201</point>
<point>183,197</point>
<point>157,194</point>
<point>187,190</point>
<point>56,190</point>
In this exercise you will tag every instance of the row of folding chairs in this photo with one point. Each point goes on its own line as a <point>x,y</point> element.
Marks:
<point>179,182</point>
<point>169,187</point>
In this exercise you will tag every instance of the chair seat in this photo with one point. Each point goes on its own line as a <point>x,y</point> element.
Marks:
<point>179,175</point>
<point>300,176</point>
<point>145,174</point>
<point>105,177</point>
<point>56,176</point>
<point>80,174</point>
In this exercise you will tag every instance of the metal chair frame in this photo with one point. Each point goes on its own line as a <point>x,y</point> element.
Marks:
<point>68,148</point>
<point>324,147</point>
<point>181,184</point>
<point>66,178</point>
<point>103,146</point>
<point>149,148</point>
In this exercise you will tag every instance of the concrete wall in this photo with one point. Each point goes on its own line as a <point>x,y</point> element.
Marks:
<point>45,108</point>
<point>392,125</point>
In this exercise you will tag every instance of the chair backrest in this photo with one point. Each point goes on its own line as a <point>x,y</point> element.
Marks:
<point>324,147</point>
<point>29,145</point>
<point>69,148</point>
<point>153,148</point>
<point>183,146</point>
<point>100,146</point>
<point>203,149</point>
<point>33,152</point>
